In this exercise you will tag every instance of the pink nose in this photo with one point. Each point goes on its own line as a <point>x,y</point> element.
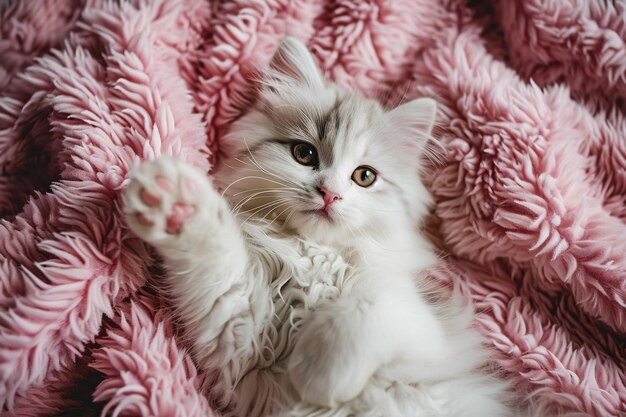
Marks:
<point>328,196</point>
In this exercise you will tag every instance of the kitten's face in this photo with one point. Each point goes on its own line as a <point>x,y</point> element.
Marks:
<point>330,165</point>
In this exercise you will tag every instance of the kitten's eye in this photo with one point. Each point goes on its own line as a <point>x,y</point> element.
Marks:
<point>364,176</point>
<point>305,154</point>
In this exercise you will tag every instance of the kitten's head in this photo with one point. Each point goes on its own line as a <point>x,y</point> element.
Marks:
<point>328,164</point>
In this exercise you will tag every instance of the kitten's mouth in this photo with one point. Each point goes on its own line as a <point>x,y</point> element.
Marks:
<point>321,212</point>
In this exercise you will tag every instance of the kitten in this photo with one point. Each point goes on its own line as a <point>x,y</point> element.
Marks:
<point>296,282</point>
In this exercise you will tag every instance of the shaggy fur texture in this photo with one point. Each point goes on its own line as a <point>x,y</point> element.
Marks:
<point>530,192</point>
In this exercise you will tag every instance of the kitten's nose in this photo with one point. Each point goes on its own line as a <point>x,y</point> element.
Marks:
<point>328,196</point>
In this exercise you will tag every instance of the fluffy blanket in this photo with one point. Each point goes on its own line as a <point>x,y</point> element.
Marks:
<point>531,190</point>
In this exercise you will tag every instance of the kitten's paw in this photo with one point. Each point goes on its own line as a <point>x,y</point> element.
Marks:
<point>330,363</point>
<point>167,198</point>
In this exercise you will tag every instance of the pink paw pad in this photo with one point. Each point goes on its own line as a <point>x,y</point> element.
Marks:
<point>149,198</point>
<point>165,184</point>
<point>154,200</point>
<point>180,213</point>
<point>144,221</point>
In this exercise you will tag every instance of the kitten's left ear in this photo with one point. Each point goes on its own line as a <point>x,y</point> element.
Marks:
<point>416,116</point>
<point>293,61</point>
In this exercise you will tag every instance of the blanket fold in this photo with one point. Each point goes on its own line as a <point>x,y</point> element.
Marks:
<point>530,192</point>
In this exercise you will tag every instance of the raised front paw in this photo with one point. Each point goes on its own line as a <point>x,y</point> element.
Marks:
<point>331,362</point>
<point>167,198</point>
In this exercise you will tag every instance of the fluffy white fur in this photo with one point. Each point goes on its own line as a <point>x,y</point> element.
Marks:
<point>295,313</point>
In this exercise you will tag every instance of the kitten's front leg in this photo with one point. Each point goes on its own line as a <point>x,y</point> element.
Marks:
<point>382,321</point>
<point>175,208</point>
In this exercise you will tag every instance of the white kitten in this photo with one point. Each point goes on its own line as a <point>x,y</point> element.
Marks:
<point>304,301</point>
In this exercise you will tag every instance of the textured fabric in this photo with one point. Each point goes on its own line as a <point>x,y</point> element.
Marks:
<point>530,191</point>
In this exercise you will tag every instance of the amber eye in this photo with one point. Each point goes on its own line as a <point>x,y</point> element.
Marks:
<point>364,176</point>
<point>305,154</point>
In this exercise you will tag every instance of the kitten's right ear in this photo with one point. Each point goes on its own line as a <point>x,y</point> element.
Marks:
<point>417,116</point>
<point>292,61</point>
<point>413,121</point>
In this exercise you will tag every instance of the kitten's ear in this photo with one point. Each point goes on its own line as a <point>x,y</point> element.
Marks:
<point>293,61</point>
<point>416,116</point>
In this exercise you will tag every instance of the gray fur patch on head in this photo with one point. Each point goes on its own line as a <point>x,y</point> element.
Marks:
<point>327,124</point>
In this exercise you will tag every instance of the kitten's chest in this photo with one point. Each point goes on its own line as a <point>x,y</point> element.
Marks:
<point>316,274</point>
<point>309,275</point>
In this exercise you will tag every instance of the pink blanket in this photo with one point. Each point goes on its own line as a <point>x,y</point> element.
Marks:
<point>531,194</point>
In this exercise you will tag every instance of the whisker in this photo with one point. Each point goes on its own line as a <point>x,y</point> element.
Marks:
<point>266,190</point>
<point>254,161</point>
<point>258,165</point>
<point>277,216</point>
<point>272,193</point>
<point>274,206</point>
<point>266,205</point>
<point>282,212</point>
<point>254,195</point>
<point>249,177</point>
<point>246,220</point>
<point>290,215</point>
